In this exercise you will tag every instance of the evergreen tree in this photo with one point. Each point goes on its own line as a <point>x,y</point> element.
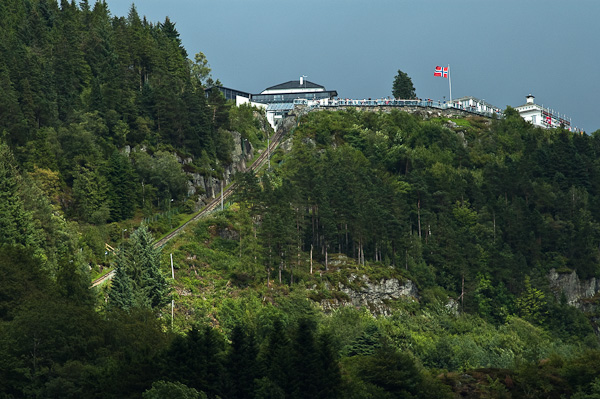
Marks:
<point>150,284</point>
<point>121,180</point>
<point>275,360</point>
<point>531,305</point>
<point>403,87</point>
<point>305,370</point>
<point>240,364</point>
<point>89,194</point>
<point>121,292</point>
<point>140,282</point>
<point>196,360</point>
<point>16,224</point>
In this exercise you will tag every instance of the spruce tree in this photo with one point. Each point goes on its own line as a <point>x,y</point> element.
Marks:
<point>144,261</point>
<point>275,360</point>
<point>121,180</point>
<point>16,224</point>
<point>139,281</point>
<point>241,364</point>
<point>121,293</point>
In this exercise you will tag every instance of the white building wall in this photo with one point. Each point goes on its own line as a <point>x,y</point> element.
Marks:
<point>239,100</point>
<point>294,90</point>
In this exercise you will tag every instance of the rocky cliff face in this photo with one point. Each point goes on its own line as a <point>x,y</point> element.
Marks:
<point>578,292</point>
<point>373,295</point>
<point>208,187</point>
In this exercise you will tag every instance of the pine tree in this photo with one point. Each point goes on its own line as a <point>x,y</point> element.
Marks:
<point>275,359</point>
<point>144,261</point>
<point>140,281</point>
<point>16,224</point>
<point>241,364</point>
<point>531,305</point>
<point>121,180</point>
<point>89,193</point>
<point>121,293</point>
<point>305,361</point>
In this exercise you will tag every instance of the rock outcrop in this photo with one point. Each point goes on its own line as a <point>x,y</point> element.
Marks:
<point>373,295</point>
<point>207,186</point>
<point>577,292</point>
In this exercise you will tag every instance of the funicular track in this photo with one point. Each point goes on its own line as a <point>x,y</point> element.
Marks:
<point>215,202</point>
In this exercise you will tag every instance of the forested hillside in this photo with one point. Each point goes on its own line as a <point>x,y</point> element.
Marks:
<point>476,212</point>
<point>97,113</point>
<point>95,109</point>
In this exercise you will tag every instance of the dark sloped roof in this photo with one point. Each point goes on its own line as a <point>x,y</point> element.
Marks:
<point>295,84</point>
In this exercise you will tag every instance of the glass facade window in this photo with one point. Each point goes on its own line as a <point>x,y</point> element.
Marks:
<point>289,98</point>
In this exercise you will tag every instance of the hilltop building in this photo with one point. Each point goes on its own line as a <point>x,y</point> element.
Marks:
<point>543,117</point>
<point>293,90</point>
<point>279,100</point>
<point>475,105</point>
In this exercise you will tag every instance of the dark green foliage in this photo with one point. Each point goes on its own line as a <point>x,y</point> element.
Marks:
<point>121,290</point>
<point>172,390</point>
<point>479,213</point>
<point>16,224</point>
<point>122,191</point>
<point>22,279</point>
<point>447,208</point>
<point>240,364</point>
<point>139,280</point>
<point>389,373</point>
<point>403,87</point>
<point>102,83</point>
<point>366,344</point>
<point>196,360</point>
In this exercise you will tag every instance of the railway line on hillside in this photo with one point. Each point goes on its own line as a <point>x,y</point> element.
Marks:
<point>227,193</point>
<point>214,204</point>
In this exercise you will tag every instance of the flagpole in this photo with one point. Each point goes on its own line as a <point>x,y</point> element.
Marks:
<point>450,83</point>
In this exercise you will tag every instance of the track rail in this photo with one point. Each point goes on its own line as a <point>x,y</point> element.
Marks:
<point>100,280</point>
<point>227,193</point>
<point>212,205</point>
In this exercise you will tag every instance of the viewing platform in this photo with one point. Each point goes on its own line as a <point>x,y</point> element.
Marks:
<point>394,103</point>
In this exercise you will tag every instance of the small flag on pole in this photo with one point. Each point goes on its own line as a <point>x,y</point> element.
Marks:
<point>441,72</point>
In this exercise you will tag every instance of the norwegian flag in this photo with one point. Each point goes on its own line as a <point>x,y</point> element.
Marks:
<point>441,72</point>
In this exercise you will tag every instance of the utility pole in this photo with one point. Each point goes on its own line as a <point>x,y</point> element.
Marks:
<point>172,300</point>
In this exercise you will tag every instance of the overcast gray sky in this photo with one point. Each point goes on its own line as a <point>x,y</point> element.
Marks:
<point>499,51</point>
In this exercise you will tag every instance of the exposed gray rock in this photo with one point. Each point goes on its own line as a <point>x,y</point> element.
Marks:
<point>242,152</point>
<point>574,289</point>
<point>286,145</point>
<point>228,234</point>
<point>373,295</point>
<point>207,187</point>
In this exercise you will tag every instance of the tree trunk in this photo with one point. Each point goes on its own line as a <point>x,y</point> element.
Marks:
<point>346,236</point>
<point>269,268</point>
<point>419,217</point>
<point>494,226</point>
<point>462,294</point>
<point>311,259</point>
<point>280,267</point>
